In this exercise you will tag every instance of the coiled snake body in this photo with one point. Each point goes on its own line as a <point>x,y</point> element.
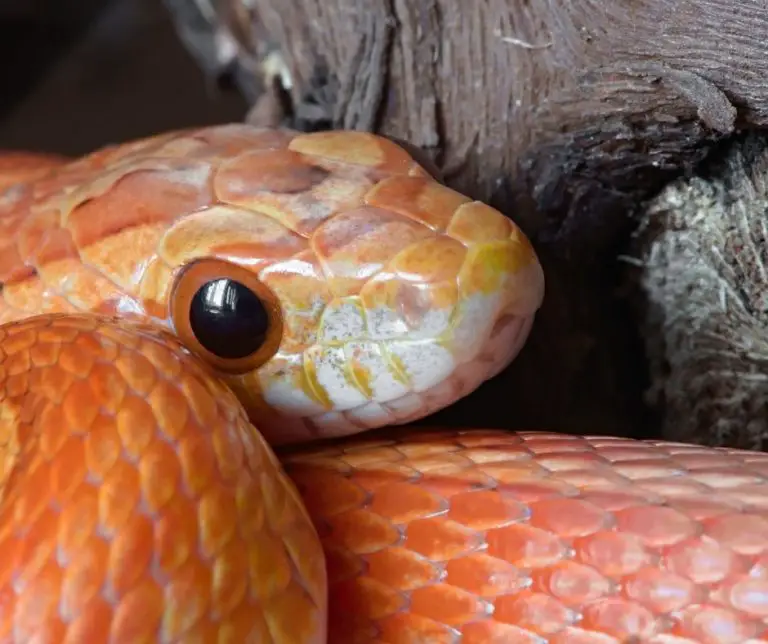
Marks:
<point>160,296</point>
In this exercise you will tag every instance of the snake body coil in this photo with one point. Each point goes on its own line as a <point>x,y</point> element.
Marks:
<point>172,307</point>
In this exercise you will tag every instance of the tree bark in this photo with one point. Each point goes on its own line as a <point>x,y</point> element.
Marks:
<point>564,115</point>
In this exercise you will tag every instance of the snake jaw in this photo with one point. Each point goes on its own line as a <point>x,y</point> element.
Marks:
<point>443,315</point>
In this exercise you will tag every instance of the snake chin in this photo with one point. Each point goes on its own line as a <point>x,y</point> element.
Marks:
<point>450,382</point>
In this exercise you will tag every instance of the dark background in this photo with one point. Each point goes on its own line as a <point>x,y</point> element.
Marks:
<point>78,74</point>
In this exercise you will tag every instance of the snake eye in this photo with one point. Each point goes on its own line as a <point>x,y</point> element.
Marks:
<point>224,313</point>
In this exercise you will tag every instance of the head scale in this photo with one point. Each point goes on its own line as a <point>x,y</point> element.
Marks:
<point>327,277</point>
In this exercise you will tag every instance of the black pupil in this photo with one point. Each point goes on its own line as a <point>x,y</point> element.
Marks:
<point>228,319</point>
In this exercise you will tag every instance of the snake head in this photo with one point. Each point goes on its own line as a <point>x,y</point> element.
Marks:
<point>338,287</point>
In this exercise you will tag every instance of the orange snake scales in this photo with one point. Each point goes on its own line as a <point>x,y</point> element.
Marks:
<point>159,296</point>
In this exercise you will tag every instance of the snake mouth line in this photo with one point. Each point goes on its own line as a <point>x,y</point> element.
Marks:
<point>339,392</point>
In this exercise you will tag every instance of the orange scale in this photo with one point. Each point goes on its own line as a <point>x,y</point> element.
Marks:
<point>445,464</point>
<point>13,266</point>
<point>516,470</point>
<point>485,575</point>
<point>441,539</point>
<point>448,605</point>
<point>20,166</point>
<point>498,455</point>
<point>303,211</point>
<point>649,468</point>
<point>568,517</point>
<point>236,136</point>
<point>408,628</point>
<point>43,241</point>
<point>626,620</point>
<point>627,453</point>
<point>175,536</point>
<point>363,531</point>
<point>661,591</point>
<point>355,245</point>
<point>564,461</point>
<point>487,438</point>
<point>550,442</point>
<point>594,479</point>
<point>571,583</point>
<point>753,498</point>
<point>373,456</point>
<point>612,553</point>
<point>525,546</point>
<point>402,569</point>
<point>402,502</point>
<point>36,610</point>
<point>373,477</point>
<point>37,551</point>
<point>536,612</point>
<point>131,553</point>
<point>696,460</point>
<point>327,493</point>
<point>421,198</point>
<point>536,491</point>
<point>94,623</point>
<point>31,497</point>
<point>674,486</point>
<point>485,509</point>
<point>217,520</point>
<point>269,171</point>
<point>657,526</point>
<point>419,450</point>
<point>68,469</point>
<point>714,625</point>
<point>475,222</point>
<point>493,632</point>
<point>77,523</point>
<point>745,595</point>
<point>462,481</point>
<point>703,508</point>
<point>137,197</point>
<point>726,478</point>
<point>612,500</point>
<point>573,635</point>
<point>187,599</point>
<point>119,496</point>
<point>354,148</point>
<point>703,560</point>
<point>229,578</point>
<point>242,236</point>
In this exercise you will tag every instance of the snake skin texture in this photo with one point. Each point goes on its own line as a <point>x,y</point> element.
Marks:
<point>397,294</point>
<point>490,537</point>
<point>141,498</point>
<point>139,505</point>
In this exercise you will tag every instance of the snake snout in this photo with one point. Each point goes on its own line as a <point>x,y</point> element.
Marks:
<point>444,313</point>
<point>500,286</point>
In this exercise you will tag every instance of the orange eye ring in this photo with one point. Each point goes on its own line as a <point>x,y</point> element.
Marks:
<point>222,312</point>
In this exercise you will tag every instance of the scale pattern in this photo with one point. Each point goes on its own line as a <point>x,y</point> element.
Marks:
<point>138,503</point>
<point>399,295</point>
<point>484,537</point>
